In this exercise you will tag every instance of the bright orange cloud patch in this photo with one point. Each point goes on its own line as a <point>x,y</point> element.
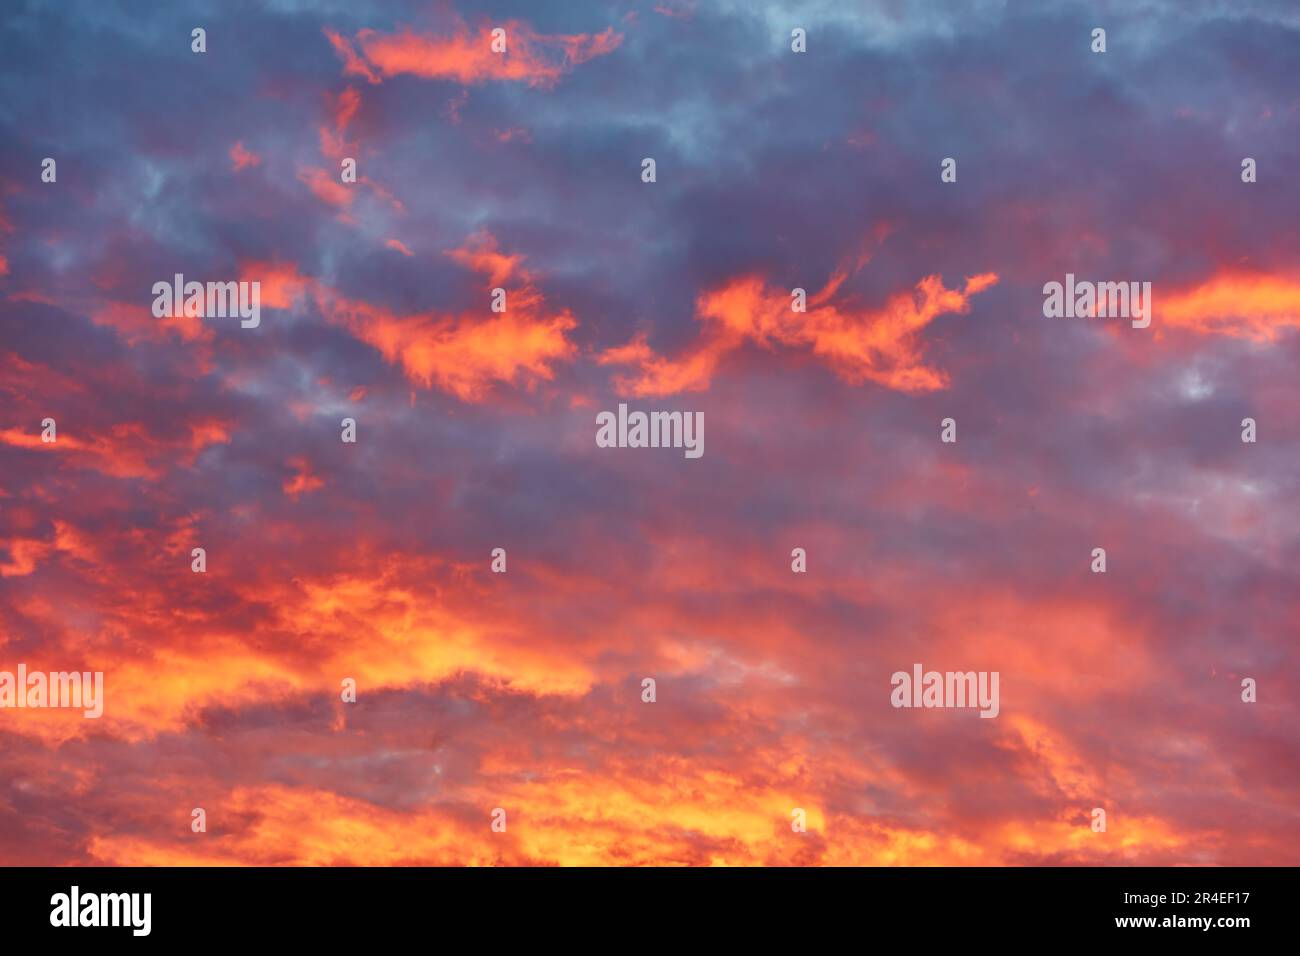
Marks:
<point>461,354</point>
<point>466,56</point>
<point>861,344</point>
<point>703,815</point>
<point>1240,304</point>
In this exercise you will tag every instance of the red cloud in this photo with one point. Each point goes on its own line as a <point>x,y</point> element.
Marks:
<point>466,56</point>
<point>243,158</point>
<point>125,450</point>
<point>343,109</point>
<point>302,481</point>
<point>325,187</point>
<point>326,184</point>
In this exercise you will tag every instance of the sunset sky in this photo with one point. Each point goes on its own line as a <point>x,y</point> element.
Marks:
<point>476,430</point>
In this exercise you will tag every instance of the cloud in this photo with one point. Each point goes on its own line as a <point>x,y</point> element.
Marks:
<point>243,158</point>
<point>343,110</point>
<point>464,354</point>
<point>859,343</point>
<point>302,481</point>
<point>1236,303</point>
<point>371,560</point>
<point>466,56</point>
<point>326,187</point>
<point>125,449</point>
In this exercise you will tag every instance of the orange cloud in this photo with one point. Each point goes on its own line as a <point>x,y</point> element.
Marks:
<point>466,55</point>
<point>24,555</point>
<point>1256,306</point>
<point>127,449</point>
<point>391,624</point>
<point>482,255</point>
<point>464,354</point>
<point>282,285</point>
<point>461,354</point>
<point>643,791</point>
<point>860,344</point>
<point>659,811</point>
